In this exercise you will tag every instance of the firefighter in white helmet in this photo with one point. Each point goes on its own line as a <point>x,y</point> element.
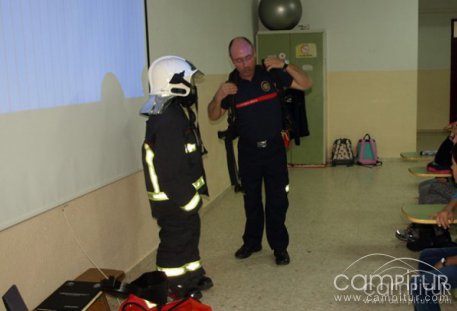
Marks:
<point>174,173</point>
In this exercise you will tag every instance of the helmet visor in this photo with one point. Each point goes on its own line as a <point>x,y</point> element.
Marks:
<point>155,105</point>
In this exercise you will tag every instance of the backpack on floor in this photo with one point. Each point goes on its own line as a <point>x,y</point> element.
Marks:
<point>367,153</point>
<point>342,153</point>
<point>421,236</point>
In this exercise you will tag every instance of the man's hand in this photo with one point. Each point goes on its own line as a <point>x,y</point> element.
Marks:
<point>301,81</point>
<point>273,62</point>
<point>215,111</point>
<point>226,89</point>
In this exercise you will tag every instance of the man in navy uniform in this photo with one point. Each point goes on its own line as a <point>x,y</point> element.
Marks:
<point>252,90</point>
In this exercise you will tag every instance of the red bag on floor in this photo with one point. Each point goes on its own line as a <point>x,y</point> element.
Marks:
<point>134,303</point>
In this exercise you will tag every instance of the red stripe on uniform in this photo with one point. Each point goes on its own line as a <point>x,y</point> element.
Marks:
<point>256,100</point>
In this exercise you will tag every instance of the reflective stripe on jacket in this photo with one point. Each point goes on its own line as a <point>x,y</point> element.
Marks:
<point>157,194</point>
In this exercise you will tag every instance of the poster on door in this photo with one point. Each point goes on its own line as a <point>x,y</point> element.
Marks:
<point>306,50</point>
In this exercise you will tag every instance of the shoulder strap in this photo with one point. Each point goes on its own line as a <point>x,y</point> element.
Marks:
<point>231,110</point>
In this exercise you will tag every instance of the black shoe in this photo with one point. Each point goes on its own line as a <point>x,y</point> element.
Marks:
<point>205,283</point>
<point>282,257</point>
<point>246,251</point>
<point>402,235</point>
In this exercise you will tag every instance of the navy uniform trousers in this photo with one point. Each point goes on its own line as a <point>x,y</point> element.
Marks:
<point>268,164</point>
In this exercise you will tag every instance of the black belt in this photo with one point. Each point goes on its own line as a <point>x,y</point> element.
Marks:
<point>262,144</point>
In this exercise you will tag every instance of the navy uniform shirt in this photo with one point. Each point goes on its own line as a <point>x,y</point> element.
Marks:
<point>257,106</point>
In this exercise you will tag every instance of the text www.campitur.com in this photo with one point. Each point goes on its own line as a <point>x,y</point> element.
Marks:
<point>348,298</point>
<point>375,299</point>
<point>389,299</point>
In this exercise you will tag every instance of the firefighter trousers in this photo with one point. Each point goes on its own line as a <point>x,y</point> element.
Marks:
<point>179,240</point>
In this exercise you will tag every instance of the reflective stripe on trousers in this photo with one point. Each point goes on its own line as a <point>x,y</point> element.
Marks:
<point>174,272</point>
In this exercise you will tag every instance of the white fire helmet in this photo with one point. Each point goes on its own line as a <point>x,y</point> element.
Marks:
<point>169,76</point>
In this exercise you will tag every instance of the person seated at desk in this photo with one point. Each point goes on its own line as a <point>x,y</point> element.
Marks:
<point>437,190</point>
<point>437,266</point>
<point>442,159</point>
<point>440,190</point>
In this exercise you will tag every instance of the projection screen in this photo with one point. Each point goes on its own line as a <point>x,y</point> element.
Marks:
<point>71,81</point>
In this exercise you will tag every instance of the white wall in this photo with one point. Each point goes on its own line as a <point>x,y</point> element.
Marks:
<point>199,30</point>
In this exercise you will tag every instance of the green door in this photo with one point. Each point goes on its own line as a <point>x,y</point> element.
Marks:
<point>306,50</point>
